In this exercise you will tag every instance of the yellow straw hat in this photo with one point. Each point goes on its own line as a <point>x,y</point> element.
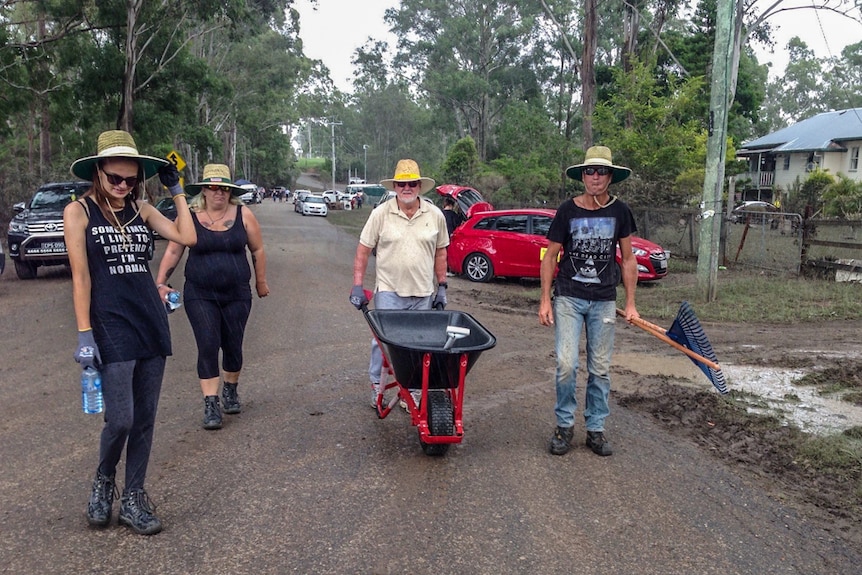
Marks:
<point>116,144</point>
<point>599,156</point>
<point>408,171</point>
<point>214,175</point>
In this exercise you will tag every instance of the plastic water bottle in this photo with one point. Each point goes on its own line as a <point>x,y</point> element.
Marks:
<point>91,391</point>
<point>173,301</point>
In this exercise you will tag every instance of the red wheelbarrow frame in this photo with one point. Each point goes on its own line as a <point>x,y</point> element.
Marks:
<point>419,415</point>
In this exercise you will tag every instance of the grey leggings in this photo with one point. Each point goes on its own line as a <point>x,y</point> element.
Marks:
<point>131,390</point>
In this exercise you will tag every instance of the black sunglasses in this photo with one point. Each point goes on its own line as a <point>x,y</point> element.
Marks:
<point>224,189</point>
<point>407,184</point>
<point>116,180</point>
<point>600,170</point>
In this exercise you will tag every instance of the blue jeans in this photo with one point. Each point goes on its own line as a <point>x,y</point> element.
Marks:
<point>391,300</point>
<point>571,315</point>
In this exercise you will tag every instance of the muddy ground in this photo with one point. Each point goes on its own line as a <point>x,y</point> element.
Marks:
<point>649,376</point>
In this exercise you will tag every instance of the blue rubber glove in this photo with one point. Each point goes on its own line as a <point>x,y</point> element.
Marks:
<point>440,300</point>
<point>357,297</point>
<point>87,353</point>
<point>169,176</point>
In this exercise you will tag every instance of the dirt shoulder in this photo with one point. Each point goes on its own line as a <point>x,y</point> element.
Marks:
<point>653,378</point>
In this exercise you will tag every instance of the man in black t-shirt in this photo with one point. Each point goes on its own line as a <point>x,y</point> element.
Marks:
<point>583,238</point>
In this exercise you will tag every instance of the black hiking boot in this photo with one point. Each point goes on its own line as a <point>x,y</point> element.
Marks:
<point>137,512</point>
<point>101,500</point>
<point>230,398</point>
<point>597,442</point>
<point>212,412</point>
<point>561,442</point>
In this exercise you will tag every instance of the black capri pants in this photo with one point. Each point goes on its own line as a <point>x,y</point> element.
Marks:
<point>218,325</point>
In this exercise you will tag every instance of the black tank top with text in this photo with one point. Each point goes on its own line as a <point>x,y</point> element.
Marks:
<point>128,318</point>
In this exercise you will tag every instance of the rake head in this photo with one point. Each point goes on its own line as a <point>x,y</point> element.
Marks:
<point>687,331</point>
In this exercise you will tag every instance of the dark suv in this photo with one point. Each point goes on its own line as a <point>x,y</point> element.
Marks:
<point>35,235</point>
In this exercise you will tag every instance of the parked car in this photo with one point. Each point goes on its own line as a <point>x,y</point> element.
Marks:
<point>754,212</point>
<point>298,197</point>
<point>469,200</point>
<point>330,196</point>
<point>511,243</point>
<point>168,208</point>
<point>314,206</point>
<point>251,195</point>
<point>2,259</point>
<point>35,234</point>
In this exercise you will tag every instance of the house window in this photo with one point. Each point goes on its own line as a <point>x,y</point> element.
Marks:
<point>787,162</point>
<point>854,159</point>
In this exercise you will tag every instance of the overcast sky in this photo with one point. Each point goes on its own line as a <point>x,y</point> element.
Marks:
<point>334,31</point>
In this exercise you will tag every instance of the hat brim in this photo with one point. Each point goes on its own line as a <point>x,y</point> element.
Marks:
<point>196,188</point>
<point>619,173</point>
<point>426,184</point>
<point>83,168</point>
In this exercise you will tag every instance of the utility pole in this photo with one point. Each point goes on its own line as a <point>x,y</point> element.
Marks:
<point>721,96</point>
<point>365,164</point>
<point>332,125</point>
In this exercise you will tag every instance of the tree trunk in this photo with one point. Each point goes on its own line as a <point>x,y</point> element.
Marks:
<point>588,71</point>
<point>126,119</point>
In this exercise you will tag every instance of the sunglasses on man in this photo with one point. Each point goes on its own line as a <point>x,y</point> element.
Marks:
<point>407,184</point>
<point>600,170</point>
<point>116,180</point>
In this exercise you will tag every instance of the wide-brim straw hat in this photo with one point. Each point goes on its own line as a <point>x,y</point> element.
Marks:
<point>408,171</point>
<point>215,175</point>
<point>116,144</point>
<point>599,156</point>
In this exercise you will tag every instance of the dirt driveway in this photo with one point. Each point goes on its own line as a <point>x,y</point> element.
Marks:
<point>308,480</point>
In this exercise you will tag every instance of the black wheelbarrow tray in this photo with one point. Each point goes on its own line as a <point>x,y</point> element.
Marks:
<point>432,351</point>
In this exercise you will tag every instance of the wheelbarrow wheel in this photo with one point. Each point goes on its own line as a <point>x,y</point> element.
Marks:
<point>441,420</point>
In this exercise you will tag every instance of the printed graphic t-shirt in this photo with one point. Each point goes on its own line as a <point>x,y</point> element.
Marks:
<point>588,268</point>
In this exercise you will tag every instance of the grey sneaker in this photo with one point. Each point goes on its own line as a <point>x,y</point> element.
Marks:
<point>137,512</point>
<point>375,391</point>
<point>561,442</point>
<point>416,394</point>
<point>101,500</point>
<point>230,398</point>
<point>597,442</point>
<point>212,412</point>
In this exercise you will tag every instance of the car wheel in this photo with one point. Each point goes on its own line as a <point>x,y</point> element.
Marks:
<point>25,270</point>
<point>478,268</point>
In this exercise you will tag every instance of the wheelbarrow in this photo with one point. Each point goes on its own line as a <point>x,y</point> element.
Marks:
<point>430,351</point>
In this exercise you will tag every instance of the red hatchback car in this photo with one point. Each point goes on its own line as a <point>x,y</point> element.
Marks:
<point>511,243</point>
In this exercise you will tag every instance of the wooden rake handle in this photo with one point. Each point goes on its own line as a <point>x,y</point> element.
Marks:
<point>661,334</point>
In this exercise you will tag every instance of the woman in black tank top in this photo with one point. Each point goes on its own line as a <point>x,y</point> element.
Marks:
<point>217,294</point>
<point>122,323</point>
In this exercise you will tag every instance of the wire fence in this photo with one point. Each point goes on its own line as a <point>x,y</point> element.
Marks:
<point>777,242</point>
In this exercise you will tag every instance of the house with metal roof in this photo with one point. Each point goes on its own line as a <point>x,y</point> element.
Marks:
<point>828,141</point>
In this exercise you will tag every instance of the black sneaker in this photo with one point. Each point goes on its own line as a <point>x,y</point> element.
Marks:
<point>101,500</point>
<point>212,412</point>
<point>561,442</point>
<point>230,398</point>
<point>597,442</point>
<point>137,512</point>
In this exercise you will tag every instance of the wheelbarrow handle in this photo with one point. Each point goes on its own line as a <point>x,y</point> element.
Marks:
<point>661,334</point>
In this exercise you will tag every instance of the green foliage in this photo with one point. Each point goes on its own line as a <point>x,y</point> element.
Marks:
<point>811,191</point>
<point>461,162</point>
<point>843,198</point>
<point>649,129</point>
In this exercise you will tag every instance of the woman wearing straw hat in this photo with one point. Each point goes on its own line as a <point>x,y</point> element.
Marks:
<point>122,324</point>
<point>216,293</point>
<point>585,233</point>
<point>410,237</point>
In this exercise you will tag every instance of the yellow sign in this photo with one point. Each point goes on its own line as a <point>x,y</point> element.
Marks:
<point>177,160</point>
<point>542,254</point>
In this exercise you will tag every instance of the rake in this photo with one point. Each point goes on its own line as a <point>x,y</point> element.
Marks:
<point>687,335</point>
